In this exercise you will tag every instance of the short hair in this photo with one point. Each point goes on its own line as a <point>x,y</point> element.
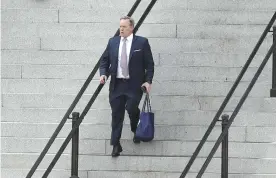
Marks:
<point>131,21</point>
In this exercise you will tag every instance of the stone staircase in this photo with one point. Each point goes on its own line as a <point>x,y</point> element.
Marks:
<point>50,47</point>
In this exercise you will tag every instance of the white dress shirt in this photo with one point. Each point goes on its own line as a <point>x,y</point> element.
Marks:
<point>128,46</point>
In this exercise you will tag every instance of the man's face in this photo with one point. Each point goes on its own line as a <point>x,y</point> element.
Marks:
<point>125,28</point>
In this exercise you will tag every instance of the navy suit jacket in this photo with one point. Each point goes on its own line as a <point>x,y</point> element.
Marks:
<point>141,64</point>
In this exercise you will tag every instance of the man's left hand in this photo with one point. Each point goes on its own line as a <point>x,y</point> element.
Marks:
<point>147,85</point>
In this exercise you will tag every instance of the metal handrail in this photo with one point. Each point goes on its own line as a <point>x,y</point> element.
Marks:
<point>237,109</point>
<point>73,105</point>
<point>228,97</point>
<point>273,89</point>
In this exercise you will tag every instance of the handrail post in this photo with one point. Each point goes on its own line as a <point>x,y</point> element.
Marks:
<point>224,148</point>
<point>236,110</point>
<point>273,90</point>
<point>227,98</point>
<point>75,146</point>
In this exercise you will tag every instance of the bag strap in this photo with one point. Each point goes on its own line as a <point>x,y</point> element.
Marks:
<point>149,105</point>
<point>146,103</point>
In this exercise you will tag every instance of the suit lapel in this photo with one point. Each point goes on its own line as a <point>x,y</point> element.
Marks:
<point>117,44</point>
<point>132,47</point>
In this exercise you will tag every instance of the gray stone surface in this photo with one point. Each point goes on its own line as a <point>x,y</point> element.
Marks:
<point>162,73</point>
<point>155,148</point>
<point>29,15</point>
<point>209,59</point>
<point>46,30</point>
<point>11,72</point>
<point>48,86</point>
<point>51,115</point>
<point>30,57</point>
<point>219,31</point>
<point>91,131</point>
<point>264,104</point>
<point>193,16</point>
<point>20,43</point>
<point>159,45</point>
<point>161,4</point>
<point>131,163</point>
<point>50,47</point>
<point>186,88</point>
<point>32,145</point>
<point>25,161</point>
<point>103,116</point>
<point>261,134</point>
<point>127,174</point>
<point>165,102</point>
<point>221,74</point>
<point>11,173</point>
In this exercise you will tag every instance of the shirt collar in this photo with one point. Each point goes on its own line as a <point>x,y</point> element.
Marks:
<point>129,38</point>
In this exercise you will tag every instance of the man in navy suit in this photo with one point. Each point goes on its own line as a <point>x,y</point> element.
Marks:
<point>129,62</point>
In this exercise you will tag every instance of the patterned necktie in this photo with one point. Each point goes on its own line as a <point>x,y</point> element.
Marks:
<point>123,62</point>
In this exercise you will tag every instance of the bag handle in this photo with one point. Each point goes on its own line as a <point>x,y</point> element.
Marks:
<point>149,105</point>
<point>146,101</point>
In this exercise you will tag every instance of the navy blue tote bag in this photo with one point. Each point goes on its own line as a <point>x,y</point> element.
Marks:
<point>145,128</point>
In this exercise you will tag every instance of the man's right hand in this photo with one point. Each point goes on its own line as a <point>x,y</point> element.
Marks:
<point>102,79</point>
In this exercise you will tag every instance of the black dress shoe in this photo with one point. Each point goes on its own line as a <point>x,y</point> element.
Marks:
<point>117,149</point>
<point>136,140</point>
